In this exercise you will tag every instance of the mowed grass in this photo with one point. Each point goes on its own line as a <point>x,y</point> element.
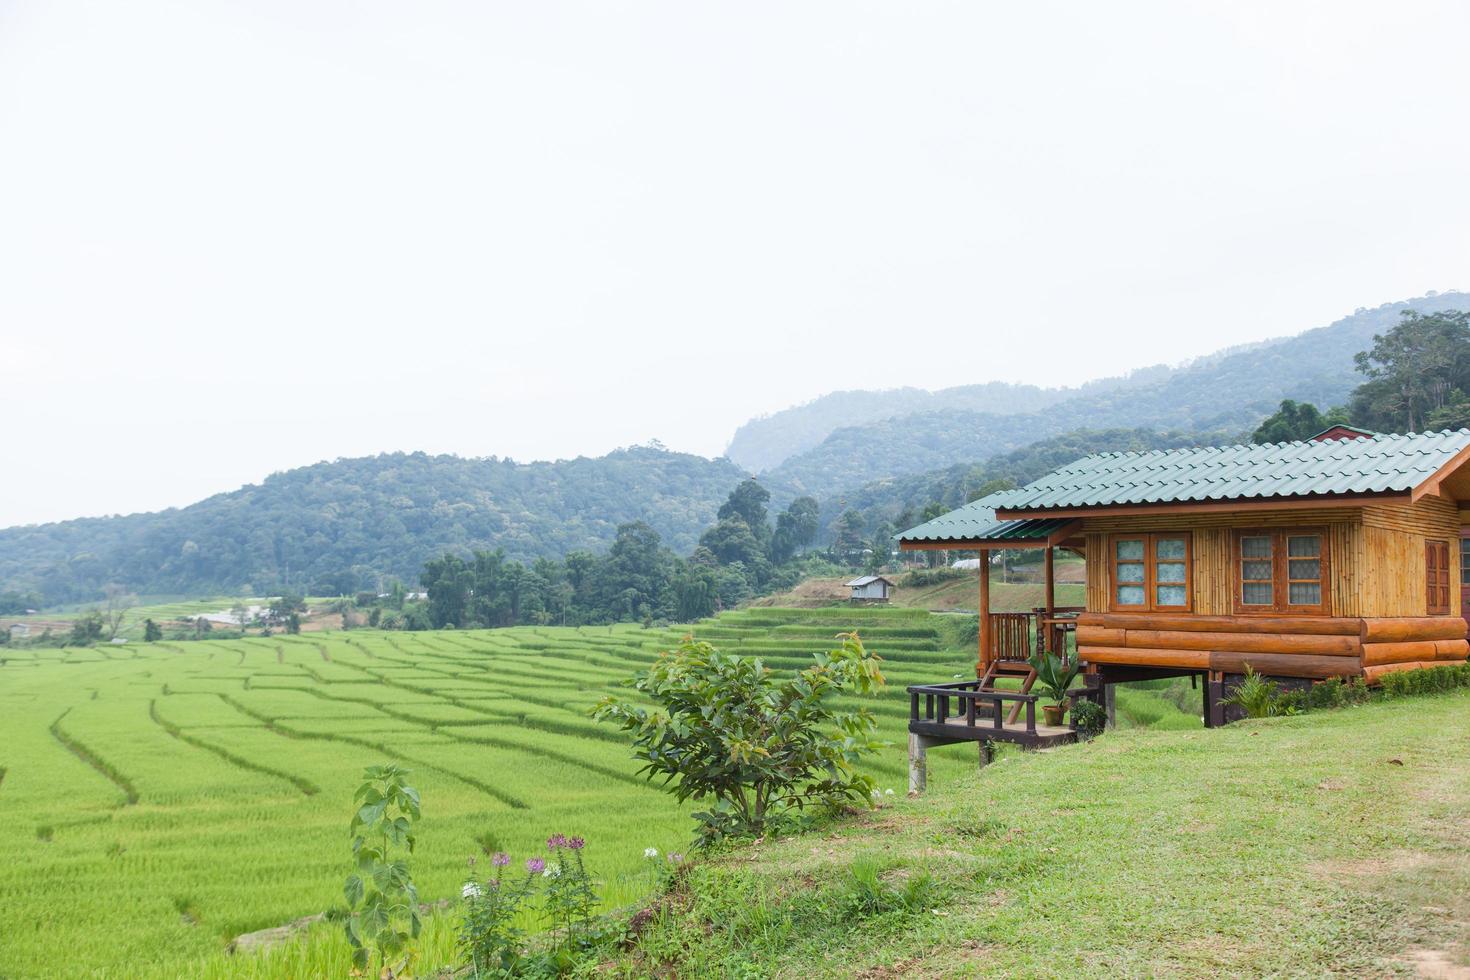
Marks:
<point>1330,844</point>
<point>161,799</point>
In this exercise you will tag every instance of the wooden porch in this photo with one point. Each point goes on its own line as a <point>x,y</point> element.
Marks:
<point>998,705</point>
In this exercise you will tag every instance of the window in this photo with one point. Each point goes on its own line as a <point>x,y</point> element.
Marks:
<point>1151,572</point>
<point>1465,562</point>
<point>1437,577</point>
<point>1280,571</point>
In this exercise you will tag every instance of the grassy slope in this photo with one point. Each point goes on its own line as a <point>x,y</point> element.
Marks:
<point>1291,847</point>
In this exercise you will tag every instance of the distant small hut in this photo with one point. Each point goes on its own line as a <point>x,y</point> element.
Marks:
<point>870,588</point>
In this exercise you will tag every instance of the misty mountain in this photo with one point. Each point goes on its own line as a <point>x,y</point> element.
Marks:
<point>1231,391</point>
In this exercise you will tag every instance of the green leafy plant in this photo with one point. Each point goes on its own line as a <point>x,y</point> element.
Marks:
<point>1089,717</point>
<point>1054,674</point>
<point>382,901</point>
<point>1255,695</point>
<point>763,748</point>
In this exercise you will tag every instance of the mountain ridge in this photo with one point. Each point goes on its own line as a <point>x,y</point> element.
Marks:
<point>1231,390</point>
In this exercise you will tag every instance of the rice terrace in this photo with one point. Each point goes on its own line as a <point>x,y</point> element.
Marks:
<point>176,795</point>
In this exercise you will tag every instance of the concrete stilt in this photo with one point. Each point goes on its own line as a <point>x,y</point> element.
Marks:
<point>918,763</point>
<point>1111,704</point>
<point>987,754</point>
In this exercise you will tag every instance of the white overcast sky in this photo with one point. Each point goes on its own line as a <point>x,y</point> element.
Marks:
<point>241,237</point>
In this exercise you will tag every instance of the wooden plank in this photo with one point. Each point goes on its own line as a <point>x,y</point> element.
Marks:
<point>1311,625</point>
<point>1402,629</point>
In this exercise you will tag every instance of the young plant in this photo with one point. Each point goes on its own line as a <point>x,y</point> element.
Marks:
<point>382,902</point>
<point>1054,674</point>
<point>763,748</point>
<point>865,893</point>
<point>1256,696</point>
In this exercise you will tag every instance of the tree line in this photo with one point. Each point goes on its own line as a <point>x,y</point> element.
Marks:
<point>638,578</point>
<point>1417,380</point>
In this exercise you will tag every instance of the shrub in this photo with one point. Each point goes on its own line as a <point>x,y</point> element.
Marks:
<point>763,749</point>
<point>1089,717</point>
<point>1425,680</point>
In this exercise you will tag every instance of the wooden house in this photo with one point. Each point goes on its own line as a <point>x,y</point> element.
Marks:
<point>870,588</point>
<point>1334,557</point>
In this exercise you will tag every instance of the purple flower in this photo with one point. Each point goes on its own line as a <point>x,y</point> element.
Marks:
<point>555,841</point>
<point>576,843</point>
<point>535,865</point>
<point>501,859</point>
<point>675,858</point>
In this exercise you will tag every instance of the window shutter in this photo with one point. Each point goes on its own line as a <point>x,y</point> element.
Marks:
<point>1437,577</point>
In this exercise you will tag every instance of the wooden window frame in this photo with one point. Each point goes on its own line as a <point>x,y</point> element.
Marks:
<point>1150,578</point>
<point>1280,566</point>
<point>1437,593</point>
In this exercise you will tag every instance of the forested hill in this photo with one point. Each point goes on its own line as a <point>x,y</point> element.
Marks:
<point>1232,390</point>
<point>349,524</point>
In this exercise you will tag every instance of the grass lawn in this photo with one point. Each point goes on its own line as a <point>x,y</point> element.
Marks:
<point>1331,843</point>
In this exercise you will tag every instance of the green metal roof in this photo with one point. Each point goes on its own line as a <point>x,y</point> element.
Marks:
<point>976,521</point>
<point>1286,470</point>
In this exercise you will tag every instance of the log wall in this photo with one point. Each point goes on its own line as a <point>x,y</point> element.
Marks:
<point>1281,646</point>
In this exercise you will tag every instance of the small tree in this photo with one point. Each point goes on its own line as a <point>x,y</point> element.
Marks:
<point>87,628</point>
<point>763,748</point>
<point>119,601</point>
<point>152,632</point>
<point>381,895</point>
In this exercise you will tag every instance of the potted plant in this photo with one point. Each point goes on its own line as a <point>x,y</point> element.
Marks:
<point>1055,675</point>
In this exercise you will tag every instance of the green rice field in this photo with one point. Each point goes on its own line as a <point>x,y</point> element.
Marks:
<point>161,799</point>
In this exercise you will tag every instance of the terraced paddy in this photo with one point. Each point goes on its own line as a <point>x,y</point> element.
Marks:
<point>159,799</point>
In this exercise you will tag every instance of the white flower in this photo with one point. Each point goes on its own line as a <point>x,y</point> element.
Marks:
<point>888,792</point>
<point>471,890</point>
<point>552,871</point>
<point>650,852</point>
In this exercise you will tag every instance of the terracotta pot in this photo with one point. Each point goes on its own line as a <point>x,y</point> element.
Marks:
<point>1053,713</point>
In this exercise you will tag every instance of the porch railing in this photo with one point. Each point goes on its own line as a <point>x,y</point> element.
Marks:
<point>967,696</point>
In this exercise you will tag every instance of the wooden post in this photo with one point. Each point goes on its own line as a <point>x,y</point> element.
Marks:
<point>1051,582</point>
<point>1044,630</point>
<point>984,610</point>
<point>1111,704</point>
<point>987,753</point>
<point>918,764</point>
